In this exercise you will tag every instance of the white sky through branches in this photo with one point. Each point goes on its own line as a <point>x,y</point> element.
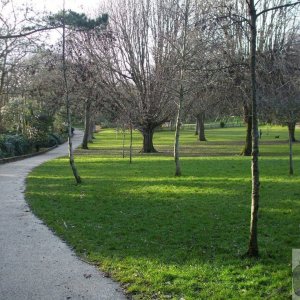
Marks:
<point>87,6</point>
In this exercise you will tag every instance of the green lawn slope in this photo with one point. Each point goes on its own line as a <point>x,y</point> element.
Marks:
<point>166,237</point>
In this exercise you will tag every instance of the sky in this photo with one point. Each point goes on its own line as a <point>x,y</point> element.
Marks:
<point>88,6</point>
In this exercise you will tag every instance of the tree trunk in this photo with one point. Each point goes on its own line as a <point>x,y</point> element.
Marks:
<point>87,121</point>
<point>91,131</point>
<point>130,148</point>
<point>148,140</point>
<point>291,171</point>
<point>172,128</point>
<point>247,150</point>
<point>253,244</point>
<point>197,127</point>
<point>291,127</point>
<point>201,118</point>
<point>177,134</point>
<point>2,80</point>
<point>67,99</point>
<point>123,141</point>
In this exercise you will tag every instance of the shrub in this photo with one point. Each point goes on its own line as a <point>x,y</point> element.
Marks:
<point>222,124</point>
<point>52,141</point>
<point>12,145</point>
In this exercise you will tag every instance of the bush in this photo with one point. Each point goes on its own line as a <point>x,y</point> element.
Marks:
<point>56,137</point>
<point>222,124</point>
<point>12,145</point>
<point>52,141</point>
<point>16,144</point>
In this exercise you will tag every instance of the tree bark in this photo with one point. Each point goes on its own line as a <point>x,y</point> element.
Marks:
<point>148,140</point>
<point>130,147</point>
<point>253,250</point>
<point>197,127</point>
<point>291,127</point>
<point>2,80</point>
<point>201,130</point>
<point>91,131</point>
<point>247,150</point>
<point>123,141</point>
<point>177,134</point>
<point>87,121</point>
<point>291,165</point>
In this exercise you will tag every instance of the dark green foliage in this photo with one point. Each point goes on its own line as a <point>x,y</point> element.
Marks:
<point>59,139</point>
<point>39,129</point>
<point>54,139</point>
<point>222,124</point>
<point>17,144</point>
<point>12,145</point>
<point>77,21</point>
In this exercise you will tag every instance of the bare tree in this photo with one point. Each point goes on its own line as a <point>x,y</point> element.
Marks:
<point>135,62</point>
<point>85,86</point>
<point>12,49</point>
<point>244,13</point>
<point>253,244</point>
<point>281,73</point>
<point>193,43</point>
<point>67,103</point>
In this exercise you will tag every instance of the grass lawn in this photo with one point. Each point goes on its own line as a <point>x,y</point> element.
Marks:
<point>165,237</point>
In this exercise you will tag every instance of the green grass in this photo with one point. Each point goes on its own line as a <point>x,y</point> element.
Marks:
<point>166,237</point>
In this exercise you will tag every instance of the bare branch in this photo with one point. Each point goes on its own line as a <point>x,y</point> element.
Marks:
<point>24,34</point>
<point>277,7</point>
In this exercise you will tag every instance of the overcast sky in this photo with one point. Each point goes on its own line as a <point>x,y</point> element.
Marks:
<point>88,6</point>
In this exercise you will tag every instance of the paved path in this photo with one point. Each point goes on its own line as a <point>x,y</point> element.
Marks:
<point>34,263</point>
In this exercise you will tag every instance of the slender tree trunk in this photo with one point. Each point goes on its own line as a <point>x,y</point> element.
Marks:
<point>172,128</point>
<point>91,131</point>
<point>201,118</point>
<point>130,148</point>
<point>147,133</point>
<point>2,81</point>
<point>123,141</point>
<point>247,150</point>
<point>291,171</point>
<point>177,134</point>
<point>292,127</point>
<point>67,100</point>
<point>253,243</point>
<point>197,127</point>
<point>87,121</point>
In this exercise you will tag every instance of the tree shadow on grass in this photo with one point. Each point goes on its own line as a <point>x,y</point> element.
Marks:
<point>138,217</point>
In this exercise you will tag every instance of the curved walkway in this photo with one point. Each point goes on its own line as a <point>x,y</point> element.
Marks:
<point>34,263</point>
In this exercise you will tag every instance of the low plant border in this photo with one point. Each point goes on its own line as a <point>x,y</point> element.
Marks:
<point>20,157</point>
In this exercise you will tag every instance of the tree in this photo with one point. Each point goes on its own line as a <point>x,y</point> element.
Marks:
<point>282,87</point>
<point>253,244</point>
<point>193,44</point>
<point>182,48</point>
<point>251,21</point>
<point>135,62</point>
<point>12,49</point>
<point>85,86</point>
<point>75,21</point>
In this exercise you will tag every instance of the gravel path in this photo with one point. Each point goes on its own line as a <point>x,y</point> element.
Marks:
<point>34,263</point>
